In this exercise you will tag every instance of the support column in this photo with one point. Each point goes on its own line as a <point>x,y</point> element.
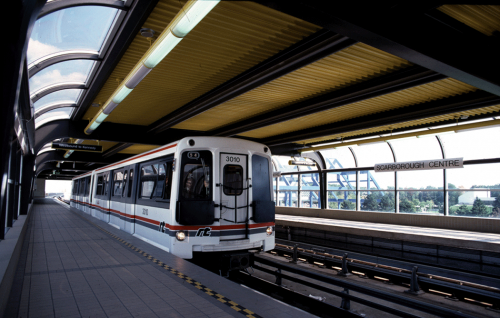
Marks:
<point>11,184</point>
<point>26,183</point>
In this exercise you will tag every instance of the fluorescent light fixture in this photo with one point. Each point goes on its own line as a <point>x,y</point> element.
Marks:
<point>396,139</point>
<point>94,126</point>
<point>327,144</point>
<point>436,134</point>
<point>372,143</point>
<point>109,107</point>
<point>158,54</point>
<point>354,145</point>
<point>477,128</point>
<point>101,118</point>
<point>192,17</point>
<point>122,93</point>
<point>475,121</point>
<point>306,151</point>
<point>443,126</point>
<point>137,76</point>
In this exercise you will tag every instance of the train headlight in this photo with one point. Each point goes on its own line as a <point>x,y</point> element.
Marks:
<point>180,236</point>
<point>269,230</point>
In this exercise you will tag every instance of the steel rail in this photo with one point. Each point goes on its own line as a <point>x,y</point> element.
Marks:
<point>392,268</point>
<point>405,301</point>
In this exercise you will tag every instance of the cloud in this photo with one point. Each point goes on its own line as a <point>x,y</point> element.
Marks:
<point>54,77</point>
<point>37,50</point>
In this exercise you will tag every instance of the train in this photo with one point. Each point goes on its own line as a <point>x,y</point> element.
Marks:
<point>198,195</point>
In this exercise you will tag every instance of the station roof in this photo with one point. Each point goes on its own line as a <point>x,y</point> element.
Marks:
<point>290,74</point>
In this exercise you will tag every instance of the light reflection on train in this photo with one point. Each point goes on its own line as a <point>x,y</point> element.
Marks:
<point>200,194</point>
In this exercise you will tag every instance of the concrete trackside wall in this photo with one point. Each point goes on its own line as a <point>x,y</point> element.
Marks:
<point>10,250</point>
<point>484,225</point>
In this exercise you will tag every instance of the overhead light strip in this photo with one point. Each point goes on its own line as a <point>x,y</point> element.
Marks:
<point>440,131</point>
<point>189,16</point>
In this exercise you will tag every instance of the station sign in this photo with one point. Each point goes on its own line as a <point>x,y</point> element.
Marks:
<point>76,147</point>
<point>420,165</point>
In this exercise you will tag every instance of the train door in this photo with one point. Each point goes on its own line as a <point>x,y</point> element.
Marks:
<point>116,204</point>
<point>234,195</point>
<point>129,224</point>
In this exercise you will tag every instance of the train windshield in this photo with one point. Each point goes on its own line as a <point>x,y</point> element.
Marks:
<point>196,176</point>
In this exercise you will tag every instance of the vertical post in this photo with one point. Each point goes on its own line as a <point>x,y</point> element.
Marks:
<point>11,185</point>
<point>396,192</point>
<point>299,186</point>
<point>26,182</point>
<point>19,183</point>
<point>358,193</point>
<point>445,179</point>
<point>346,302</point>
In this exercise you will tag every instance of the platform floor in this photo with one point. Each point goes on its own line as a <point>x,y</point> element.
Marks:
<point>73,265</point>
<point>454,238</point>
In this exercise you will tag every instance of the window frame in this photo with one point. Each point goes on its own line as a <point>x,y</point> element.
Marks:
<point>154,201</point>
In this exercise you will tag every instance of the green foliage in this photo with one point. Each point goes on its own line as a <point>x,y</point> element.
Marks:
<point>462,210</point>
<point>387,202</point>
<point>370,203</point>
<point>496,204</point>
<point>406,206</point>
<point>478,208</point>
<point>348,205</point>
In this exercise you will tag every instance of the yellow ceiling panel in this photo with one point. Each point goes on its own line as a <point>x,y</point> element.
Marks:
<point>137,149</point>
<point>411,96</point>
<point>349,66</point>
<point>232,38</point>
<point>483,18</point>
<point>409,124</point>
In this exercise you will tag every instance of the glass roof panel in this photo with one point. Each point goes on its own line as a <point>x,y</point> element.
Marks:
<point>69,96</point>
<point>473,144</point>
<point>60,113</point>
<point>338,158</point>
<point>75,28</point>
<point>75,71</point>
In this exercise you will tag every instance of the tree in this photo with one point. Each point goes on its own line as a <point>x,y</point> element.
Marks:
<point>387,203</point>
<point>347,205</point>
<point>462,210</point>
<point>370,203</point>
<point>478,208</point>
<point>496,207</point>
<point>406,206</point>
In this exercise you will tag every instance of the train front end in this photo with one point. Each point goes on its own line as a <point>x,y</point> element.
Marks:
<point>224,199</point>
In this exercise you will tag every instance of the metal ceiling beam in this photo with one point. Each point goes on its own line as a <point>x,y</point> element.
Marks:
<point>454,104</point>
<point>115,149</point>
<point>60,57</point>
<point>416,37</point>
<point>78,157</point>
<point>107,131</point>
<point>54,88</point>
<point>309,50</point>
<point>47,109</point>
<point>137,14</point>
<point>54,6</point>
<point>393,82</point>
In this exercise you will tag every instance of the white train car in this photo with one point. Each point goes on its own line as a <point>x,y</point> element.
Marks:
<point>200,194</point>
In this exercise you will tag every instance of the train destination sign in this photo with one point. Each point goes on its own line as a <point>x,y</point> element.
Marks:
<point>420,165</point>
<point>76,147</point>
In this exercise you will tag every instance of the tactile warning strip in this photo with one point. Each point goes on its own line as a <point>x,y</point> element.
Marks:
<point>223,299</point>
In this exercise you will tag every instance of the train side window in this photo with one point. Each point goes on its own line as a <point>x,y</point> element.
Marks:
<point>100,185</point>
<point>81,189</point>
<point>196,176</point>
<point>124,186</point>
<point>75,186</point>
<point>233,180</point>
<point>118,183</point>
<point>87,189</point>
<point>130,183</point>
<point>168,181</point>
<point>149,175</point>
<point>106,184</point>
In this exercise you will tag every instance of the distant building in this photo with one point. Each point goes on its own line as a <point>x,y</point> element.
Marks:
<point>469,196</point>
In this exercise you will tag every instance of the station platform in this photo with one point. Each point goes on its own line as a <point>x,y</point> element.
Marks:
<point>73,265</point>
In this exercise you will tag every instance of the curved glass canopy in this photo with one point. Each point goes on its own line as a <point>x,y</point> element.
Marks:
<point>65,96</point>
<point>75,71</point>
<point>56,114</point>
<point>75,28</point>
